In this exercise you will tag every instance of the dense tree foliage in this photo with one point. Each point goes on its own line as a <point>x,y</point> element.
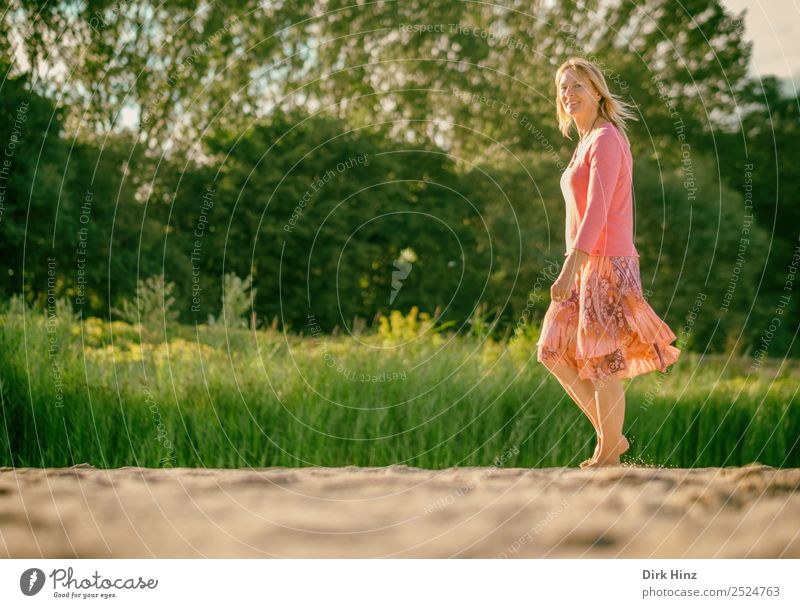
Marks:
<point>354,159</point>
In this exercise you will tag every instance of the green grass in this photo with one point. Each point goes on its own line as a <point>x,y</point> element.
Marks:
<point>204,397</point>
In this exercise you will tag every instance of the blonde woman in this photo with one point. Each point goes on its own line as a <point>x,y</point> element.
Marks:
<point>599,328</point>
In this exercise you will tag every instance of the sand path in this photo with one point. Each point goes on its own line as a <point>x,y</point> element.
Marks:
<point>398,511</point>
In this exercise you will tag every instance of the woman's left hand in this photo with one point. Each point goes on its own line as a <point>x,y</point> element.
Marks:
<point>561,288</point>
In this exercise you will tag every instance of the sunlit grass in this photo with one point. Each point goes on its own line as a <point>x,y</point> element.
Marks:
<point>110,394</point>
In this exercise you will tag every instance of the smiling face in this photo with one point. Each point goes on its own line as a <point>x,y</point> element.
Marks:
<point>578,100</point>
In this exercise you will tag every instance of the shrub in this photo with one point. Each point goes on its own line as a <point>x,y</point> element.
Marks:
<point>154,305</point>
<point>237,295</point>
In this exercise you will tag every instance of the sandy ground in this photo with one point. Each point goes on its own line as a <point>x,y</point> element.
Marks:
<point>398,511</point>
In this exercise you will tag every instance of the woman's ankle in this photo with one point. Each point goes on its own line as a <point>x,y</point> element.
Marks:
<point>618,446</point>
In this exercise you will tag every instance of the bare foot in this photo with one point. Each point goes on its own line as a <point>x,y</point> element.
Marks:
<point>611,458</point>
<point>586,462</point>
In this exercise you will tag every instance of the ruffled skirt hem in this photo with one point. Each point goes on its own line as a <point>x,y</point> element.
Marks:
<point>621,363</point>
<point>606,327</point>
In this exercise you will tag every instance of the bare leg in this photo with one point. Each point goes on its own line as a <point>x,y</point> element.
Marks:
<point>610,401</point>
<point>582,393</point>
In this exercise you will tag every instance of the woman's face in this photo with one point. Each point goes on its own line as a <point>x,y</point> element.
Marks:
<point>578,100</point>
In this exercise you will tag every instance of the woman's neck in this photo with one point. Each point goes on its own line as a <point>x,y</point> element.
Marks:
<point>586,127</point>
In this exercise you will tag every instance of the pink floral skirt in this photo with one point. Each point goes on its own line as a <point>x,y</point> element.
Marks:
<point>606,327</point>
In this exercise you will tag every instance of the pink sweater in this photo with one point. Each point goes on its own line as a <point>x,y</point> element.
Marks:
<point>597,192</point>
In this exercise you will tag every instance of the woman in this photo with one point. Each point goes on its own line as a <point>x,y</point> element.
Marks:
<point>599,328</point>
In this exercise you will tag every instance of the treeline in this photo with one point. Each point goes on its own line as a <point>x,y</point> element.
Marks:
<point>348,210</point>
<point>336,225</point>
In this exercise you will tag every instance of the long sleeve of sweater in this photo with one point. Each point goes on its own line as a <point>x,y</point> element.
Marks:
<point>605,162</point>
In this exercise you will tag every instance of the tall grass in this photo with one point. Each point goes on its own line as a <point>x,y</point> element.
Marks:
<point>113,394</point>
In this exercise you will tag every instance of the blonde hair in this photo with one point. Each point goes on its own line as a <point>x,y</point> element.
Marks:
<point>610,106</point>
